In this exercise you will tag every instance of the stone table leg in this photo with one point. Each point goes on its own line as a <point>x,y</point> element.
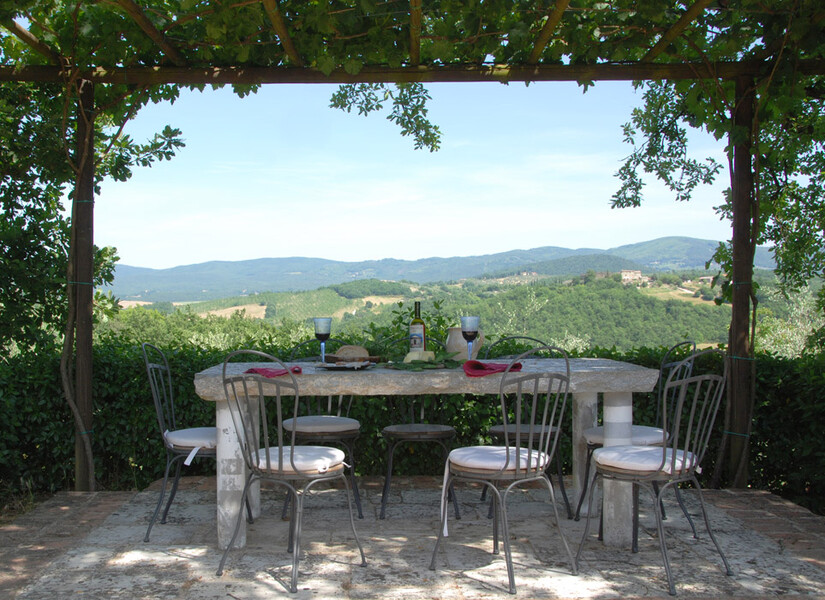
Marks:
<point>585,415</point>
<point>231,476</point>
<point>618,497</point>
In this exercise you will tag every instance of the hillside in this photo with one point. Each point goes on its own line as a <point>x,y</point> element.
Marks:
<point>585,311</point>
<point>220,279</point>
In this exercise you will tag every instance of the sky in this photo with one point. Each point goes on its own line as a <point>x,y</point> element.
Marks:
<point>280,174</point>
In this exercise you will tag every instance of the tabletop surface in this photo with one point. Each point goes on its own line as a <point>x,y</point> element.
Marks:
<point>587,375</point>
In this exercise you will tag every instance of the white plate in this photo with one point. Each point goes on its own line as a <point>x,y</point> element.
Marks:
<point>346,366</point>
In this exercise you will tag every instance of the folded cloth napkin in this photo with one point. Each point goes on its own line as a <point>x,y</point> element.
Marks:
<point>475,368</point>
<point>267,372</point>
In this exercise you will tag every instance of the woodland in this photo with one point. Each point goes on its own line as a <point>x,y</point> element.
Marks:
<point>590,311</point>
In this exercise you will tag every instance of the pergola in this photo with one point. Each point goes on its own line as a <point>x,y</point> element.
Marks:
<point>123,46</point>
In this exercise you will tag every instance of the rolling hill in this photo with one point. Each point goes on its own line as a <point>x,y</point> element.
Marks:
<point>220,279</point>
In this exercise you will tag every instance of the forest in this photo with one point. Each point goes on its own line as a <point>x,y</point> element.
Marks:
<point>594,310</point>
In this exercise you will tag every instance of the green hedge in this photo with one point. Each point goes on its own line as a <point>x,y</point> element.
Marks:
<point>37,441</point>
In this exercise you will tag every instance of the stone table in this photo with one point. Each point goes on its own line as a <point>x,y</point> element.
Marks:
<point>615,381</point>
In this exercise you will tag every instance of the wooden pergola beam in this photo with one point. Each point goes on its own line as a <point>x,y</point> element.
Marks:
<point>160,40</point>
<point>276,17</point>
<point>415,32</point>
<point>690,15</point>
<point>32,41</point>
<point>423,74</point>
<point>550,25</point>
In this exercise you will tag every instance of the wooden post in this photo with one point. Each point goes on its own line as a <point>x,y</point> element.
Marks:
<point>84,276</point>
<point>740,389</point>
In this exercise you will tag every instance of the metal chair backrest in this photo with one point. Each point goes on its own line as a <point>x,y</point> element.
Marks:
<point>160,380</point>
<point>677,366</point>
<point>337,405</point>
<point>696,401</point>
<point>249,395</point>
<point>409,410</point>
<point>512,338</point>
<point>533,406</point>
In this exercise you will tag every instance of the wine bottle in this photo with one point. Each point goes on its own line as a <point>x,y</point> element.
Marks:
<point>417,330</point>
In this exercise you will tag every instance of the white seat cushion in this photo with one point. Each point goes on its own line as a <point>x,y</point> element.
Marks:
<point>642,436</point>
<point>322,424</point>
<point>308,459</point>
<point>645,459</point>
<point>196,437</point>
<point>493,458</point>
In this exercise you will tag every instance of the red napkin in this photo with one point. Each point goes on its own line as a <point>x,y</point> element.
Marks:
<point>267,372</point>
<point>475,368</point>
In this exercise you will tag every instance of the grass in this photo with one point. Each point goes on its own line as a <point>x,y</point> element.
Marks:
<point>664,293</point>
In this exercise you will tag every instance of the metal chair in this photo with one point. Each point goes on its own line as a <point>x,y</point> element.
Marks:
<point>689,423</point>
<point>497,431</point>
<point>415,416</point>
<point>527,451</point>
<point>181,445</point>
<point>325,421</point>
<point>269,455</point>
<point>645,435</point>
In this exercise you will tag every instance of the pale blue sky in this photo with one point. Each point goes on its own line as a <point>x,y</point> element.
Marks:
<point>279,173</point>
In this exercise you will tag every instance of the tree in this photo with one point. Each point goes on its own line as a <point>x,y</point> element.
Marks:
<point>775,126</point>
<point>39,297</point>
<point>792,336</point>
<point>33,232</point>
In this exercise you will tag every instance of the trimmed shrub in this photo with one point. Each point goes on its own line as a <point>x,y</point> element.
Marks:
<point>37,442</point>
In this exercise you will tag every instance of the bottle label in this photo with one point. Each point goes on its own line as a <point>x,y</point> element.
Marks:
<point>416,337</point>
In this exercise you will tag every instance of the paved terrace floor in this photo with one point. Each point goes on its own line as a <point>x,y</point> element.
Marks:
<point>90,546</point>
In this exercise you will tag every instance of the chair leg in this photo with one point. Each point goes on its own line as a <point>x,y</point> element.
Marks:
<point>249,518</point>
<point>495,509</point>
<point>684,510</point>
<point>662,543</point>
<point>160,498</point>
<point>174,489</point>
<point>355,494</point>
<point>573,564</point>
<point>728,570</point>
<point>442,520</point>
<point>290,542</point>
<point>285,508</point>
<point>634,545</point>
<point>508,556</point>
<point>582,494</point>
<point>386,491</point>
<point>661,502</point>
<point>295,526</point>
<point>352,525</point>
<point>561,485</point>
<point>237,528</point>
<point>451,495</point>
<point>587,519</point>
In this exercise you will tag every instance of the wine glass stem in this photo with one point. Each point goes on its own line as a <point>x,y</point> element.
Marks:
<point>470,350</point>
<point>323,344</point>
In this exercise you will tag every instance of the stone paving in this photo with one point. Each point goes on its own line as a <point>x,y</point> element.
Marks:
<point>89,546</point>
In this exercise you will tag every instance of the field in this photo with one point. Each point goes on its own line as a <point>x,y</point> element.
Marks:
<point>666,292</point>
